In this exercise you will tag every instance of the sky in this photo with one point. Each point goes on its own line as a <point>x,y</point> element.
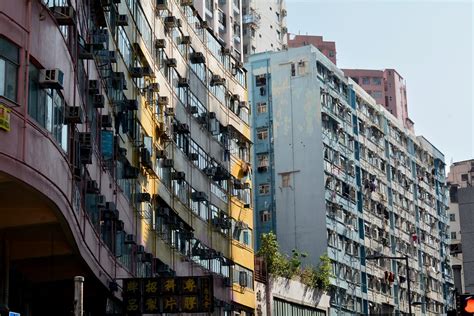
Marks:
<point>430,43</point>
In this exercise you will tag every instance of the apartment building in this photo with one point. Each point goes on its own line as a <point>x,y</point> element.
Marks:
<point>336,173</point>
<point>461,175</point>
<point>224,19</point>
<point>328,48</point>
<point>264,26</point>
<point>387,87</point>
<point>126,155</point>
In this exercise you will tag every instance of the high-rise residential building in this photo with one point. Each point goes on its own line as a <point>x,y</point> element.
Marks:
<point>125,155</point>
<point>387,87</point>
<point>224,19</point>
<point>336,173</point>
<point>328,48</point>
<point>264,26</point>
<point>461,175</point>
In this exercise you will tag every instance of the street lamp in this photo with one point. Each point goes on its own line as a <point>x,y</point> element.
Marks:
<point>375,257</point>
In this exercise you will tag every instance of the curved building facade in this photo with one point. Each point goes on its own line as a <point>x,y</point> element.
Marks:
<point>124,153</point>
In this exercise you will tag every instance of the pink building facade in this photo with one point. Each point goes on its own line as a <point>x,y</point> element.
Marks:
<point>387,87</point>
<point>326,47</point>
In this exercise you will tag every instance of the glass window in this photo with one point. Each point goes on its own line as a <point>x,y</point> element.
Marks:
<point>264,189</point>
<point>452,217</point>
<point>9,61</point>
<point>453,235</point>
<point>262,133</point>
<point>365,80</point>
<point>261,107</point>
<point>286,180</point>
<point>464,177</point>
<point>377,81</point>
<point>265,216</point>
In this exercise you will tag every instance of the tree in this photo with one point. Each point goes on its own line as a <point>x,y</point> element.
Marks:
<point>279,265</point>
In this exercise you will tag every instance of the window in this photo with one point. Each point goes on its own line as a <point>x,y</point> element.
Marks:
<point>9,61</point>
<point>264,189</point>
<point>285,179</point>
<point>377,94</point>
<point>262,133</point>
<point>265,216</point>
<point>331,53</point>
<point>464,177</point>
<point>46,106</point>
<point>262,160</point>
<point>365,80</point>
<point>453,235</point>
<point>261,107</point>
<point>452,217</point>
<point>377,81</point>
<point>293,69</point>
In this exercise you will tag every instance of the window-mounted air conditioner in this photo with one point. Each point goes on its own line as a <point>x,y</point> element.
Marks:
<point>51,78</point>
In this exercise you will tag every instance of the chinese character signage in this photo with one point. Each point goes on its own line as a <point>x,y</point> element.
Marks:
<point>168,295</point>
<point>4,118</point>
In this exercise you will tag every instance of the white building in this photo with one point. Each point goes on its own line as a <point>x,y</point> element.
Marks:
<point>264,26</point>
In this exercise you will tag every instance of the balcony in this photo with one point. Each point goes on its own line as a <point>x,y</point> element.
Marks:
<point>252,18</point>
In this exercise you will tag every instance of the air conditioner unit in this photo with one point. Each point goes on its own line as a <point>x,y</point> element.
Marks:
<point>163,101</point>
<point>85,139</point>
<point>226,51</point>
<point>239,64</point>
<point>93,87</point>
<point>154,87</point>
<point>130,105</point>
<point>183,128</point>
<point>198,196</point>
<point>85,155</point>
<point>217,80</point>
<point>193,109</point>
<point>179,175</point>
<point>120,226</point>
<point>183,82</point>
<point>204,25</point>
<point>86,52</point>
<point>169,111</point>
<point>243,279</point>
<point>197,58</point>
<point>284,29</point>
<point>73,115</point>
<point>118,81</point>
<point>284,12</point>
<point>98,101</point>
<point>106,120</point>
<point>145,158</point>
<point>193,156</point>
<point>122,20</point>
<point>160,154</point>
<point>130,172</point>
<point>209,171</point>
<point>171,21</point>
<point>160,43</point>
<point>168,163</point>
<point>51,78</point>
<point>142,197</point>
<point>185,40</point>
<point>284,47</point>
<point>92,187</point>
<point>162,5</point>
<point>100,201</point>
<point>64,15</point>
<point>171,62</point>
<point>136,72</point>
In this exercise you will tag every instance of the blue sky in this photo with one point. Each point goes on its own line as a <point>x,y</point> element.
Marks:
<point>430,43</point>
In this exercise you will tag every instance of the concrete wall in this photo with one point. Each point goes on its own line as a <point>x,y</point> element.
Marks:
<point>298,151</point>
<point>291,291</point>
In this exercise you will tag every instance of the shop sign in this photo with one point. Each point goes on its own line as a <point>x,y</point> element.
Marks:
<point>4,118</point>
<point>168,295</point>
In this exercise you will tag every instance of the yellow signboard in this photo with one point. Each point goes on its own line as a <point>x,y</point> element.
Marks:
<point>4,118</point>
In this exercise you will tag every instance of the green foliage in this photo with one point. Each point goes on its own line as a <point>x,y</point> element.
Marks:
<point>279,265</point>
